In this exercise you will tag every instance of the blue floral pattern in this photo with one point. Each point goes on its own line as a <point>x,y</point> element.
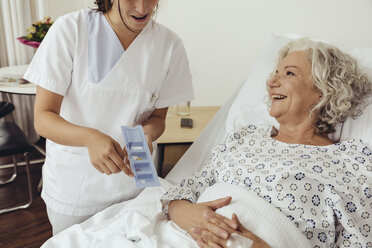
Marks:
<point>324,190</point>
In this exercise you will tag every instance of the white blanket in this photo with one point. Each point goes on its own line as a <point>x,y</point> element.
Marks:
<point>135,223</point>
<point>139,222</point>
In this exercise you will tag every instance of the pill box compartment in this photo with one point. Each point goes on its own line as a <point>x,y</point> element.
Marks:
<point>143,171</point>
<point>142,167</point>
<point>138,156</point>
<point>145,178</point>
<point>136,146</point>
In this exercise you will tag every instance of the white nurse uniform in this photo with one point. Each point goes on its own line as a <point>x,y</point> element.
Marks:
<point>104,87</point>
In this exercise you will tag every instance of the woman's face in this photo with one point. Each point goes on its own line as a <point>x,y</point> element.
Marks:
<point>291,90</point>
<point>136,13</point>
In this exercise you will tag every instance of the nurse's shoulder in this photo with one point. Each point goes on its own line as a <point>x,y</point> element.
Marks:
<point>66,27</point>
<point>73,23</point>
<point>66,31</point>
<point>71,20</point>
<point>164,34</point>
<point>57,52</point>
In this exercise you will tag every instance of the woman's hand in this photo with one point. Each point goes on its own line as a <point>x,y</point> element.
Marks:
<point>106,155</point>
<point>201,218</point>
<point>257,242</point>
<point>210,240</point>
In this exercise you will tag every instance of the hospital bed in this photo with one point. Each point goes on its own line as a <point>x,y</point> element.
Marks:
<point>139,222</point>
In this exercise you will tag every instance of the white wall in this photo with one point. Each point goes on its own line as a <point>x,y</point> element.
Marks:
<point>224,38</point>
<point>60,7</point>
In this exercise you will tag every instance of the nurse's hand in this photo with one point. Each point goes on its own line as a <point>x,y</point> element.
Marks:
<point>105,154</point>
<point>199,218</point>
<point>126,157</point>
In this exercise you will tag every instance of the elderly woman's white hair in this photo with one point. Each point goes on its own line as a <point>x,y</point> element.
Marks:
<point>336,75</point>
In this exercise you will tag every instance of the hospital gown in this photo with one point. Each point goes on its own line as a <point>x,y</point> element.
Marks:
<point>324,190</point>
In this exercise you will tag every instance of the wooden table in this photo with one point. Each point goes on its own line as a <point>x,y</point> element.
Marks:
<point>175,141</point>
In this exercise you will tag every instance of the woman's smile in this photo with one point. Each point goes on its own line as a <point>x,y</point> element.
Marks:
<point>277,97</point>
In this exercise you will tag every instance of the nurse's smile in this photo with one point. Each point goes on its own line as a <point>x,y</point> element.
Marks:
<point>140,18</point>
<point>135,14</point>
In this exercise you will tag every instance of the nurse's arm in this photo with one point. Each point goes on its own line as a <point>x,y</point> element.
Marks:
<point>49,124</point>
<point>105,153</point>
<point>154,126</point>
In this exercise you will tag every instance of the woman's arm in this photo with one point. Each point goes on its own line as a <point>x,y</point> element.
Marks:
<point>179,202</point>
<point>106,154</point>
<point>189,215</point>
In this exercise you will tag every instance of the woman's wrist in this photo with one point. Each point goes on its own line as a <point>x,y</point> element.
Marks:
<point>174,205</point>
<point>87,136</point>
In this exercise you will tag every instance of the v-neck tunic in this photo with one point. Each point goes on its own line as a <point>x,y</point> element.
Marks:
<point>104,89</point>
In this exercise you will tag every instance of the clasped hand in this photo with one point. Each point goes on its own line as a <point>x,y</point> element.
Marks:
<point>208,228</point>
<point>107,156</point>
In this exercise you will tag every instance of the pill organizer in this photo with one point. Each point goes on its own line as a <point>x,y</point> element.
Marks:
<point>140,158</point>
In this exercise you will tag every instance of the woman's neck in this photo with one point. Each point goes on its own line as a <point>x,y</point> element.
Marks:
<point>301,135</point>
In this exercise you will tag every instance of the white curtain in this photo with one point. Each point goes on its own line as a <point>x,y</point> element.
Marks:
<point>16,16</point>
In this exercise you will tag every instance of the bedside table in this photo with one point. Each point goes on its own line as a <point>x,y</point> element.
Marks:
<point>175,141</point>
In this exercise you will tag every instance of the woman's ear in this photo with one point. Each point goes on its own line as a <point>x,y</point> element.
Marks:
<point>320,96</point>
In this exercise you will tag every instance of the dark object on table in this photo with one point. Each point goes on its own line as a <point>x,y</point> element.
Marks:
<point>23,81</point>
<point>186,122</point>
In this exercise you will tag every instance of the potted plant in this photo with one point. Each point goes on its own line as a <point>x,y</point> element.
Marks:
<point>36,33</point>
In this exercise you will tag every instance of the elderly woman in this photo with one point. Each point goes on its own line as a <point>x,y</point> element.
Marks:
<point>322,187</point>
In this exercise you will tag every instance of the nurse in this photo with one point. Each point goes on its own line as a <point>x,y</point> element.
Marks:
<point>97,70</point>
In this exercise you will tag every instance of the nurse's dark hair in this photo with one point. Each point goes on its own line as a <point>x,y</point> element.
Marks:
<point>103,5</point>
<point>106,5</point>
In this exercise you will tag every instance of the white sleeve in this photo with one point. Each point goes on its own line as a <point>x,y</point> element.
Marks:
<point>52,65</point>
<point>177,86</point>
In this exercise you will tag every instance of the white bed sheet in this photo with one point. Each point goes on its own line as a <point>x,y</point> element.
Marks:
<point>139,223</point>
<point>135,223</point>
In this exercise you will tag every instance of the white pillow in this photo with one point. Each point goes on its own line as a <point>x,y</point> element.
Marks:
<point>250,108</point>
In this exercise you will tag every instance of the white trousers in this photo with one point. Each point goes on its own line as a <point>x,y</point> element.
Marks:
<point>60,222</point>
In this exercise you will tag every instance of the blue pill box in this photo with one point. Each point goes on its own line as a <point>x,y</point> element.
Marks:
<point>140,158</point>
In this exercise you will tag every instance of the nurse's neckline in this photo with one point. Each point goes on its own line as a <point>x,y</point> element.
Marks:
<point>125,40</point>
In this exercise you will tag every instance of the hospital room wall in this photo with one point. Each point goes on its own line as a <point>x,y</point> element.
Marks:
<point>223,39</point>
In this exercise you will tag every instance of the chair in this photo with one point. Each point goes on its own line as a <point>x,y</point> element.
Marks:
<point>13,142</point>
